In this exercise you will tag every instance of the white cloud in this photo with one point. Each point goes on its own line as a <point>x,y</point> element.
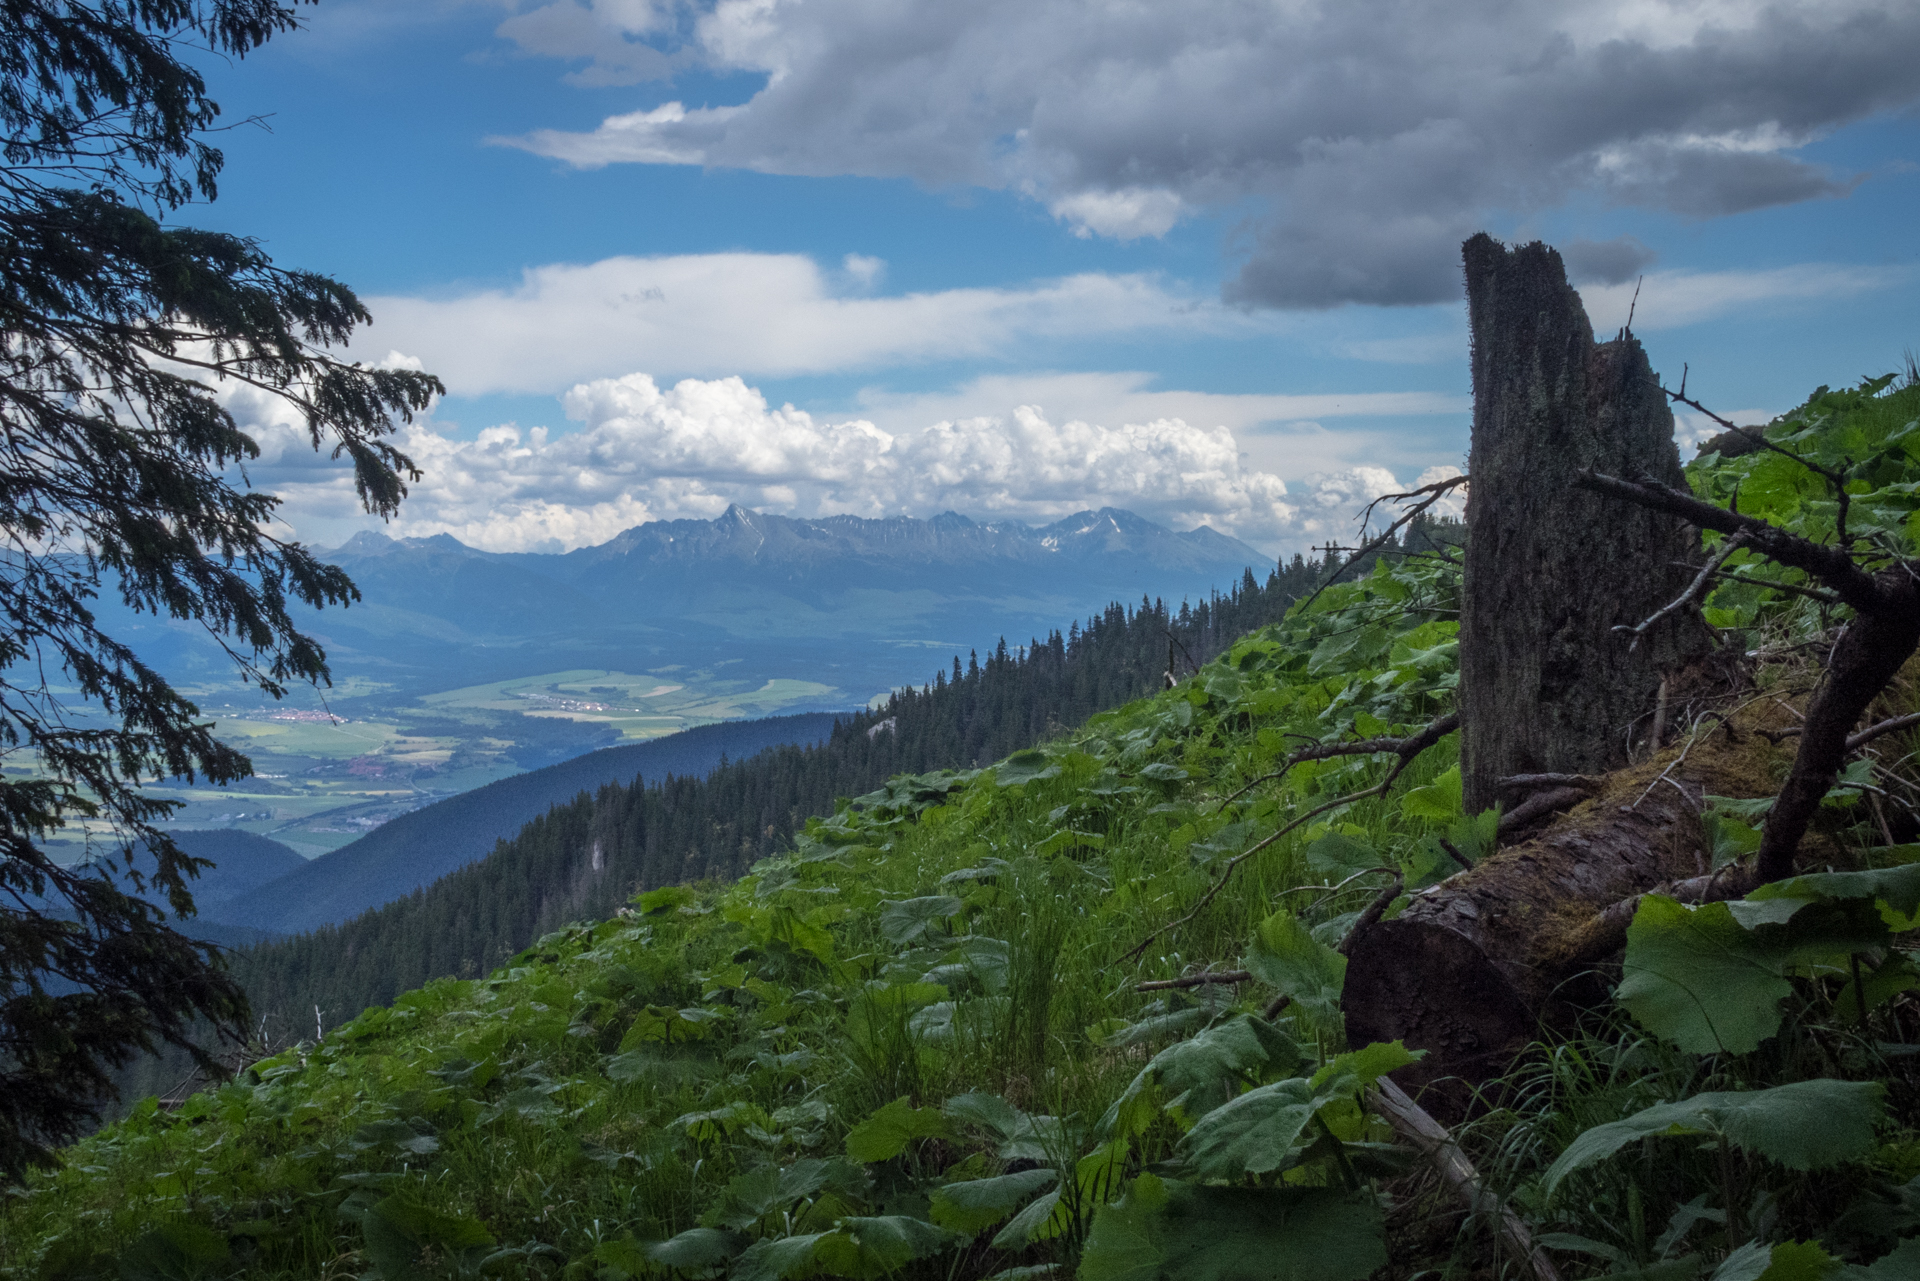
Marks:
<point>1369,138</point>
<point>708,314</point>
<point>1671,299</point>
<point>1124,215</point>
<point>642,452</point>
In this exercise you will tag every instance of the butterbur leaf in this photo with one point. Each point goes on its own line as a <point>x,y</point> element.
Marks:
<point>1024,767</point>
<point>988,1111</point>
<point>886,1134</point>
<point>863,1249</point>
<point>1027,1225</point>
<point>776,1258</point>
<point>1335,857</point>
<point>978,1204</point>
<point>1807,1125</point>
<point>919,920</point>
<point>1696,977</point>
<point>1897,888</point>
<point>1197,1233</point>
<point>1367,1064</point>
<point>181,1249</point>
<point>1902,1263</point>
<point>1116,1034</point>
<point>1286,955</point>
<point>1256,1133</point>
<point>1207,1069</point>
<point>398,1228</point>
<point>1787,1261</point>
<point>696,1248</point>
<point>1437,802</point>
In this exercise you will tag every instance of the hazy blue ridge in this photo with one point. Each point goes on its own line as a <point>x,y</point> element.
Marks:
<point>419,848</point>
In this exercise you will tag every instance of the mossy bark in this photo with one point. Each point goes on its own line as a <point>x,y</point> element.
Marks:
<point>1470,969</point>
<point>1546,684</point>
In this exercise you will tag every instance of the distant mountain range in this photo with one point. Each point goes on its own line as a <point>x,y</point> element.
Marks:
<point>823,599</point>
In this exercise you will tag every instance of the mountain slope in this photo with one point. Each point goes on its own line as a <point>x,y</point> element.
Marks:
<point>419,848</point>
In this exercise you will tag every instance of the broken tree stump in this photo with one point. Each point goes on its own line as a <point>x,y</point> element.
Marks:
<point>1546,685</point>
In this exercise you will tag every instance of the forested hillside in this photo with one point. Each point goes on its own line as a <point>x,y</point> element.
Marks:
<point>584,858</point>
<point>1089,1011</point>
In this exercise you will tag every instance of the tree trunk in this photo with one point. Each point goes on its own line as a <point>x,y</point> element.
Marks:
<point>1546,685</point>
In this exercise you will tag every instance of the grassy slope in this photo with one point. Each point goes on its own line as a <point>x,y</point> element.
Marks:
<point>867,1055</point>
<point>790,1011</point>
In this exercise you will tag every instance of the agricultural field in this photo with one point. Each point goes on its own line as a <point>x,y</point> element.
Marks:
<point>329,770</point>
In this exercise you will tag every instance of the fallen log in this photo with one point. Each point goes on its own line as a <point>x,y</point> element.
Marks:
<point>1471,967</point>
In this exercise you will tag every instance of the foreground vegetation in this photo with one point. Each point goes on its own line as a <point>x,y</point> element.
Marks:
<point>917,1041</point>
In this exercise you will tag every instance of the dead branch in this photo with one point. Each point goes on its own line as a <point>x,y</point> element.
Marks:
<point>1830,565</point>
<point>1605,933</point>
<point>1530,782</point>
<point>1694,591</point>
<point>1890,726</point>
<point>1328,751</point>
<point>1195,980</point>
<point>1414,1124</point>
<point>1539,805</point>
<point>1405,749</point>
<point>1871,649</point>
<point>1436,491</point>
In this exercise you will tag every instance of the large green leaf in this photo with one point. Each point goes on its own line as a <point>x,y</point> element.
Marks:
<point>398,1228</point>
<point>887,1132</point>
<point>863,1249</point>
<point>1200,1073</point>
<point>1806,1125</point>
<point>1286,955</point>
<point>978,1204</point>
<point>1698,978</point>
<point>1253,1134</point>
<point>1164,1229</point>
<point>775,1258</point>
<point>919,920</point>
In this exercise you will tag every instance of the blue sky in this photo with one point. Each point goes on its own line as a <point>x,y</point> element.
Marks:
<point>1016,259</point>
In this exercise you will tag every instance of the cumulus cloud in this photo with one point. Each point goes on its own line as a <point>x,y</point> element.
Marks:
<point>1374,135</point>
<point>642,452</point>
<point>761,313</point>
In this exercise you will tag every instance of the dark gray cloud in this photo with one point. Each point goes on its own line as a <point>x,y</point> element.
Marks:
<point>1376,133</point>
<point>1607,262</point>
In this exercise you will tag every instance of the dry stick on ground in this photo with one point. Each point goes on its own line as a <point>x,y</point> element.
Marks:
<point>1435,492</point>
<point>1404,748</point>
<point>1195,980</point>
<point>1872,647</point>
<point>1413,1123</point>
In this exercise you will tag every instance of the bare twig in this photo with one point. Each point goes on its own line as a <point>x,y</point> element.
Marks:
<point>1413,1123</point>
<point>1435,492</point>
<point>1694,591</point>
<point>1830,565</point>
<point>1195,980</point>
<point>1327,751</point>
<point>1539,804</point>
<point>1890,726</point>
<point>1406,749</point>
